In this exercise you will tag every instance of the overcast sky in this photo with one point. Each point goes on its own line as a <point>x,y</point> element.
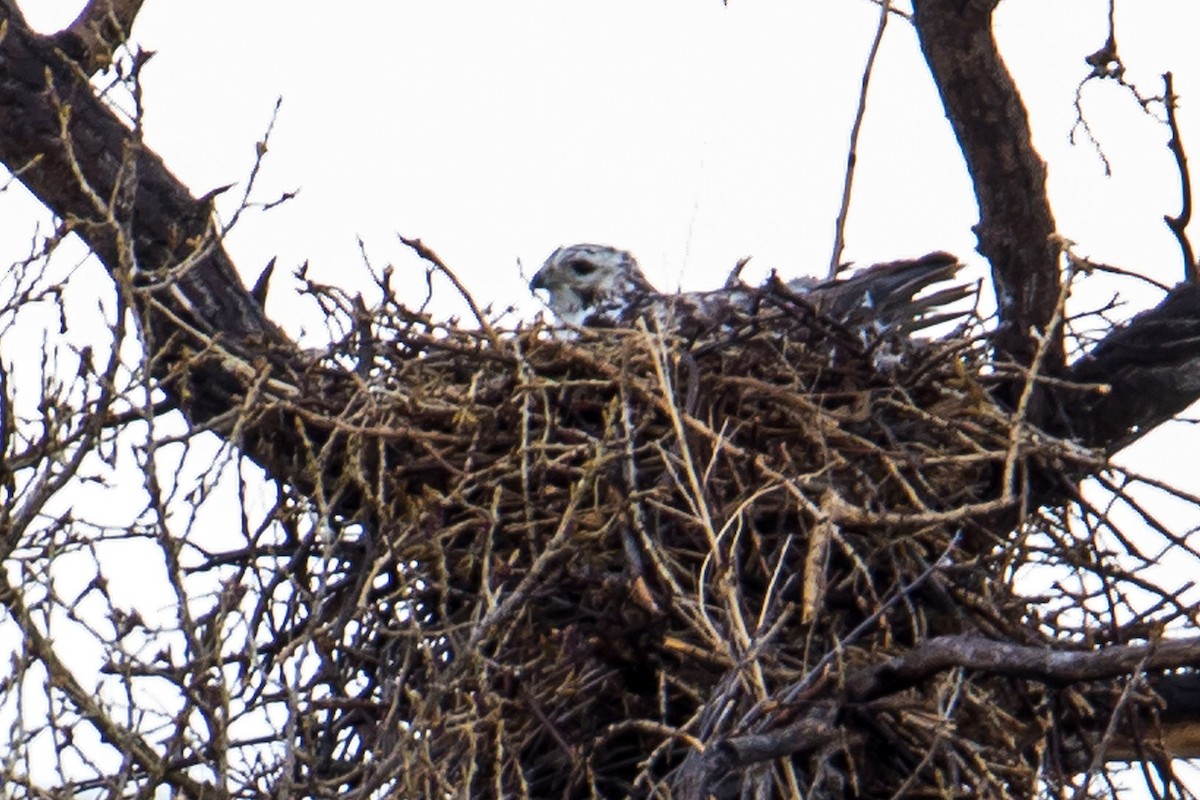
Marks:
<point>689,132</point>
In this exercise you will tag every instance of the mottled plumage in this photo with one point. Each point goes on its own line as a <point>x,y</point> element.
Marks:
<point>598,286</point>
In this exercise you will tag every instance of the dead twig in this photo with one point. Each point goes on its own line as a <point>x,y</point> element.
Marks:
<point>1179,223</point>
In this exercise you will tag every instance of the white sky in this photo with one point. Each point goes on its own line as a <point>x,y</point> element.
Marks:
<point>688,132</point>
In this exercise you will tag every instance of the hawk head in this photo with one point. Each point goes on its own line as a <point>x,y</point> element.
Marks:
<point>592,284</point>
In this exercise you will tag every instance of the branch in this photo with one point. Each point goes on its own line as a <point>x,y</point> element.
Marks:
<point>127,742</point>
<point>839,240</point>
<point>98,31</point>
<point>99,154</point>
<point>817,724</point>
<point>1178,224</point>
<point>1016,225</point>
<point>1149,371</point>
<point>1022,661</point>
<point>815,729</point>
<point>1179,719</point>
<point>86,165</point>
<point>1176,729</point>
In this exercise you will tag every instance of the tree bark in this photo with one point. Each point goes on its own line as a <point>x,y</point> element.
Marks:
<point>96,33</point>
<point>1016,227</point>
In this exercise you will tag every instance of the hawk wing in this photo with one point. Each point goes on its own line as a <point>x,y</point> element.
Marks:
<point>884,297</point>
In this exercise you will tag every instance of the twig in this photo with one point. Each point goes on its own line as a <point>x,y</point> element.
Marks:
<point>1114,718</point>
<point>899,12</point>
<point>426,253</point>
<point>861,629</point>
<point>260,151</point>
<point>839,240</point>
<point>1020,417</point>
<point>1178,224</point>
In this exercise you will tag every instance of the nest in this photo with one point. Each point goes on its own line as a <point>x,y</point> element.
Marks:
<point>614,565</point>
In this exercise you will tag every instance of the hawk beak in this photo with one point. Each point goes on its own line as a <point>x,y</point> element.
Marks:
<point>538,282</point>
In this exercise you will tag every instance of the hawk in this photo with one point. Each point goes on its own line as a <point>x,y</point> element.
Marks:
<point>597,286</point>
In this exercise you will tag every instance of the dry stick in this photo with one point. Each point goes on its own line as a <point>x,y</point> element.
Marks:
<point>839,241</point>
<point>934,656</point>
<point>945,717</point>
<point>657,350</point>
<point>1110,730</point>
<point>1044,340</point>
<point>750,748</point>
<point>424,252</point>
<point>861,629</point>
<point>88,705</point>
<point>1178,224</point>
<point>553,550</point>
<point>845,513</point>
<point>634,506</point>
<point>743,657</point>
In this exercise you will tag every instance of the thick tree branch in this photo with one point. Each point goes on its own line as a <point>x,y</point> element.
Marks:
<point>1178,722</point>
<point>1148,371</point>
<point>88,167</point>
<point>1016,226</point>
<point>1006,658</point>
<point>101,27</point>
<point>41,96</point>
<point>817,725</point>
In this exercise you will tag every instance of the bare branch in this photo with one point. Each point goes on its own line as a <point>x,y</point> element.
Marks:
<point>1008,658</point>
<point>839,240</point>
<point>1179,223</point>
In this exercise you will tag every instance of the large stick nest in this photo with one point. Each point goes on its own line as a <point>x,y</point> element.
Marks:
<point>626,565</point>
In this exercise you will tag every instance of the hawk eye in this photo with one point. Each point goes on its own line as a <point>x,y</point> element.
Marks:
<point>581,267</point>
